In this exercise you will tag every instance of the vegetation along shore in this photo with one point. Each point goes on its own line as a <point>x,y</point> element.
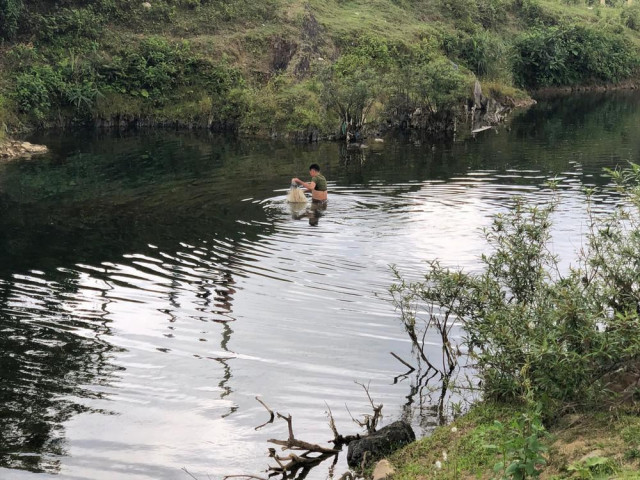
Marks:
<point>557,355</point>
<point>300,69</point>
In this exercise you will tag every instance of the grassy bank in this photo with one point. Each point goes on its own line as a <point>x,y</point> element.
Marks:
<point>483,443</point>
<point>293,66</point>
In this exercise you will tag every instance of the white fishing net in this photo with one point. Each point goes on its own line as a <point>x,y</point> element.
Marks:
<point>296,195</point>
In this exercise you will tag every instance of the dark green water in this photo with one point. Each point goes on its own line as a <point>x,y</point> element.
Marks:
<point>152,284</point>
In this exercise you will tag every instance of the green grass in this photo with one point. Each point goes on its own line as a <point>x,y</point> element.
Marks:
<point>571,442</point>
<point>475,34</point>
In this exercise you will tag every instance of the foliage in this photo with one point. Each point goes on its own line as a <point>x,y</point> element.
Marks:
<point>10,12</point>
<point>350,90</point>
<point>532,13</point>
<point>74,23</point>
<point>488,14</point>
<point>37,90</point>
<point>474,443</point>
<point>532,332</point>
<point>569,54</point>
<point>630,17</point>
<point>592,467</point>
<point>438,86</point>
<point>520,447</point>
<point>155,70</point>
<point>283,106</point>
<point>484,53</point>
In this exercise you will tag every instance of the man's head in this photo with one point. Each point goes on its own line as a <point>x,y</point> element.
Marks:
<point>314,168</point>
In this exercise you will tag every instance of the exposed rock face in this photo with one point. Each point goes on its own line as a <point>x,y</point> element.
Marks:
<point>312,43</point>
<point>383,442</point>
<point>14,148</point>
<point>487,111</point>
<point>283,52</point>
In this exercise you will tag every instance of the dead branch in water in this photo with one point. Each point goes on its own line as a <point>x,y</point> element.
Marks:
<point>408,365</point>
<point>339,440</point>
<point>297,465</point>
<point>272,416</point>
<point>370,422</point>
<point>248,477</point>
<point>293,443</point>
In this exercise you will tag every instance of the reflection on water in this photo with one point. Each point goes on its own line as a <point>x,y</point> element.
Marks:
<point>152,285</point>
<point>52,360</point>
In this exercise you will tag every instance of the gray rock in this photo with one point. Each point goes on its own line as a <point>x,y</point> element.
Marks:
<point>383,470</point>
<point>379,444</point>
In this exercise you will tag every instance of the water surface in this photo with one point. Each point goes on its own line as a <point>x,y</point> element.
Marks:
<point>152,284</point>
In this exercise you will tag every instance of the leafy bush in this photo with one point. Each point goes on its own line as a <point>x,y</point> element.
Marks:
<point>283,106</point>
<point>471,14</point>
<point>554,340</point>
<point>567,55</point>
<point>465,12</point>
<point>10,12</point>
<point>533,13</point>
<point>484,53</point>
<point>76,23</point>
<point>438,86</point>
<point>37,91</point>
<point>520,447</point>
<point>492,13</point>
<point>350,88</point>
<point>366,52</point>
<point>156,67</point>
<point>630,17</point>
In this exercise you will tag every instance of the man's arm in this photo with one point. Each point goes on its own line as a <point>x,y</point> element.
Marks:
<point>309,186</point>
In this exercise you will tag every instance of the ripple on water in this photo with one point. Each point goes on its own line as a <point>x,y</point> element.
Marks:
<point>214,294</point>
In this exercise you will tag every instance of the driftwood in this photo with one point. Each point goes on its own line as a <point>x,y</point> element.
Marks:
<point>339,440</point>
<point>289,465</point>
<point>370,422</point>
<point>272,415</point>
<point>293,443</point>
<point>408,365</point>
<point>297,465</point>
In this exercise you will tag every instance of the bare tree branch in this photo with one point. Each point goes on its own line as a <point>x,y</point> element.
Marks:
<point>271,418</point>
<point>339,440</point>
<point>249,477</point>
<point>184,469</point>
<point>370,421</point>
<point>408,365</point>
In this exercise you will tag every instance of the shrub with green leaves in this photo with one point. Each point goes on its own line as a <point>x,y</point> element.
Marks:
<point>571,54</point>
<point>536,334</point>
<point>68,23</point>
<point>10,13</point>
<point>520,447</point>
<point>350,90</point>
<point>285,107</point>
<point>484,53</point>
<point>37,91</point>
<point>436,88</point>
<point>630,17</point>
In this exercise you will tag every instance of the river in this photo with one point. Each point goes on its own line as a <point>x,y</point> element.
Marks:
<point>153,284</point>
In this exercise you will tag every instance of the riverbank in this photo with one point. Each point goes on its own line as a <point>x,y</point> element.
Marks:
<point>484,442</point>
<point>302,69</point>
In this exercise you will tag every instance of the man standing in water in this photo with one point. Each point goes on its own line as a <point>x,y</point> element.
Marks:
<point>318,188</point>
